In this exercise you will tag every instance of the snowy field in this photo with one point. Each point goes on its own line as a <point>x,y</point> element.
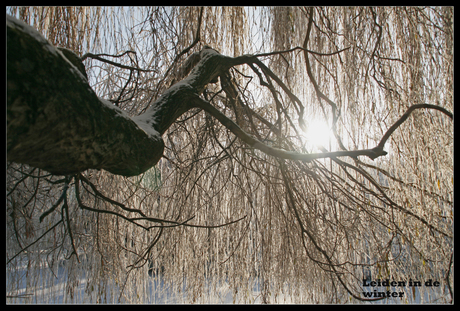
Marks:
<point>52,286</point>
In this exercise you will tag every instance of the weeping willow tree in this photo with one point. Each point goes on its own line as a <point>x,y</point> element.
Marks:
<point>168,153</point>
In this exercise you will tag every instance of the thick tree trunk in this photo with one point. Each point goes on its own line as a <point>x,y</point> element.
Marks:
<point>57,123</point>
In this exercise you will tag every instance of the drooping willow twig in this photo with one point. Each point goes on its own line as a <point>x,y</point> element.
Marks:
<point>293,155</point>
<point>135,220</point>
<point>372,153</point>
<point>176,59</point>
<point>34,242</point>
<point>291,203</point>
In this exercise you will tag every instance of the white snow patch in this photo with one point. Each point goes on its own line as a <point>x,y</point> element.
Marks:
<point>181,85</point>
<point>112,106</point>
<point>208,51</point>
<point>144,122</point>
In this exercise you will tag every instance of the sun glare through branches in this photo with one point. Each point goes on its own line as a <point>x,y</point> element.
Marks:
<point>218,220</point>
<point>318,134</point>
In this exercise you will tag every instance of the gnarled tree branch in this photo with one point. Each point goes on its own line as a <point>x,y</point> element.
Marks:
<point>406,115</point>
<point>292,155</point>
<point>56,122</point>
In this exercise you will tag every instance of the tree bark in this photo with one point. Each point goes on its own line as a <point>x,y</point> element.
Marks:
<point>56,122</point>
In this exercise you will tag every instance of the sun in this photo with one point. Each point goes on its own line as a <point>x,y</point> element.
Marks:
<point>318,134</point>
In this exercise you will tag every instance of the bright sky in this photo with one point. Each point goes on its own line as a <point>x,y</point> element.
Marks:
<point>318,134</point>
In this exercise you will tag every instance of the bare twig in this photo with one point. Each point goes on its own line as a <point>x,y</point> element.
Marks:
<point>61,198</point>
<point>293,155</point>
<point>95,56</point>
<point>176,59</point>
<point>98,194</point>
<point>303,49</point>
<point>20,295</point>
<point>279,153</point>
<point>135,220</point>
<point>34,242</point>
<point>104,54</point>
<point>319,93</point>
<point>65,209</point>
<point>406,115</point>
<point>291,203</point>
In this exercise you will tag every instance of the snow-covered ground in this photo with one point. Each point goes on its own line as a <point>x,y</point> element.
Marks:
<point>53,286</point>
